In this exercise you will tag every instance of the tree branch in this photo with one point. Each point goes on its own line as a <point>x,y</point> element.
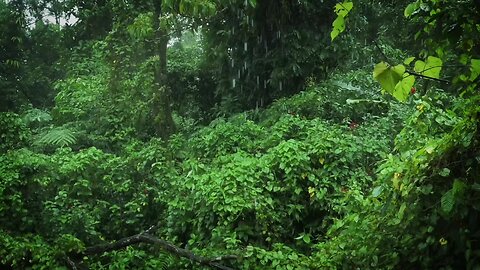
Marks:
<point>146,237</point>
<point>426,77</point>
<point>413,73</point>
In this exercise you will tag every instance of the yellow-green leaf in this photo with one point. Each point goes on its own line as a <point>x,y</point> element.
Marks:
<point>409,60</point>
<point>388,76</point>
<point>430,68</point>
<point>403,87</point>
<point>342,9</point>
<point>338,27</point>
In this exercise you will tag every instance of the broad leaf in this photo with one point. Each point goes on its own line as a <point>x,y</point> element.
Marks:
<point>430,68</point>
<point>403,87</point>
<point>388,76</point>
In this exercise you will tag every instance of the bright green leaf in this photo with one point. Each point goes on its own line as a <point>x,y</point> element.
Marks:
<point>342,9</point>
<point>430,68</point>
<point>403,87</point>
<point>474,69</point>
<point>409,60</point>
<point>338,27</point>
<point>388,76</point>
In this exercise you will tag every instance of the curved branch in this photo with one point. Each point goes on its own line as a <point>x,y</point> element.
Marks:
<point>146,237</point>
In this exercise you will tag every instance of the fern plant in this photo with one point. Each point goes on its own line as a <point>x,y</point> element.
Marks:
<point>57,136</point>
<point>36,117</point>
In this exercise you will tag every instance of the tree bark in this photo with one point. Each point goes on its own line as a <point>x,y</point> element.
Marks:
<point>163,121</point>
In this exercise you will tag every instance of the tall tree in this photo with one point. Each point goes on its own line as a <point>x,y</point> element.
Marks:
<point>266,49</point>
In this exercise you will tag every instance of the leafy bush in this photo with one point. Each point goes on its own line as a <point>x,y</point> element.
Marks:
<point>13,131</point>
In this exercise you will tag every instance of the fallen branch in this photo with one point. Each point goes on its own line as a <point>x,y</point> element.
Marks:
<point>146,237</point>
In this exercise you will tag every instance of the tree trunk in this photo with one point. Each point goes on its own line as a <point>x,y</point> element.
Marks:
<point>163,121</point>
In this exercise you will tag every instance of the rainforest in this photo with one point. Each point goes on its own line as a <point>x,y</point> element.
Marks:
<point>239,134</point>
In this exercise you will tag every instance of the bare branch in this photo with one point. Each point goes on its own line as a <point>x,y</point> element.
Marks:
<point>146,237</point>
<point>426,77</point>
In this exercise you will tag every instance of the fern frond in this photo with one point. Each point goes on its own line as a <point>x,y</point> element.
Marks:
<point>58,137</point>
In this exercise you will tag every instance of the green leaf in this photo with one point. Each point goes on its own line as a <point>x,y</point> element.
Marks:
<point>409,60</point>
<point>448,201</point>
<point>410,9</point>
<point>338,27</point>
<point>403,87</point>
<point>388,76</point>
<point>474,69</point>
<point>430,68</point>
<point>306,238</point>
<point>458,187</point>
<point>342,9</point>
<point>377,191</point>
<point>401,211</point>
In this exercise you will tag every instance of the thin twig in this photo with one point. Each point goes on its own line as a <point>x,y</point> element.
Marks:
<point>410,71</point>
<point>426,77</point>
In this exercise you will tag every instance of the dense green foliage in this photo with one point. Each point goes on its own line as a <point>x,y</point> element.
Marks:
<point>280,135</point>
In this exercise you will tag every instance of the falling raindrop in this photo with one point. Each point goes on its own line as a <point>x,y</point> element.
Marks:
<point>233,62</point>
<point>233,83</point>
<point>238,74</point>
<point>264,84</point>
<point>245,46</point>
<point>258,81</point>
<point>280,85</point>
<point>244,65</point>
